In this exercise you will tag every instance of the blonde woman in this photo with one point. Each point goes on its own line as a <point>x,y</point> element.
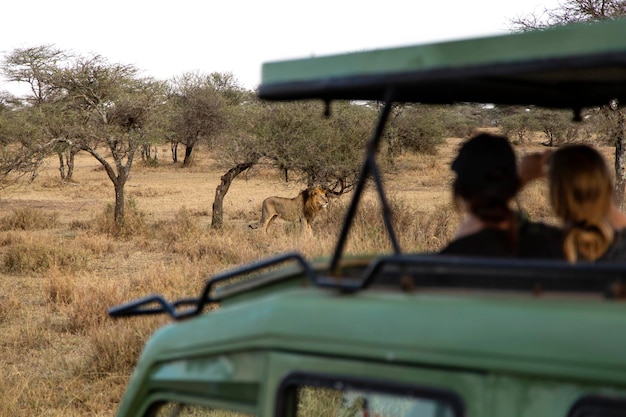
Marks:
<point>581,195</point>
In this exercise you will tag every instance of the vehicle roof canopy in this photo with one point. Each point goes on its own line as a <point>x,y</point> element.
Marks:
<point>573,66</point>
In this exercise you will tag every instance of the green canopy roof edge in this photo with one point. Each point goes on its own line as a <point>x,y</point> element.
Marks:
<point>559,42</point>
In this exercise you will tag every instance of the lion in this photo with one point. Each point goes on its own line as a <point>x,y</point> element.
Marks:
<point>303,208</point>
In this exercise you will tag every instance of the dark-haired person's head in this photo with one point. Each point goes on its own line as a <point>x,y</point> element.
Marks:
<point>486,177</point>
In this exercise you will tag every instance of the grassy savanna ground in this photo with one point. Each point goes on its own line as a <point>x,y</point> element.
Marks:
<point>60,355</point>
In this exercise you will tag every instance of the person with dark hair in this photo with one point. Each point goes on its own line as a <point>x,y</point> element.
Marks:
<point>486,183</point>
<point>581,196</point>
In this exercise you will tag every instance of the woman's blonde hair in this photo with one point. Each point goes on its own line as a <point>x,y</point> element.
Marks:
<point>581,193</point>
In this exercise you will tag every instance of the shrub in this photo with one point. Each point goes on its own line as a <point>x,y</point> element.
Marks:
<point>150,163</point>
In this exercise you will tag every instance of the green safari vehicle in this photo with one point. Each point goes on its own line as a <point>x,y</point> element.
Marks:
<point>405,334</point>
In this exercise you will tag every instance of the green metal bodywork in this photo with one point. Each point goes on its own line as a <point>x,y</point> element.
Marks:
<point>524,335</point>
<point>504,352</point>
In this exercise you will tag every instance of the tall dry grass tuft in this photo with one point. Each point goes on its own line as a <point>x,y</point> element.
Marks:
<point>367,233</point>
<point>9,307</point>
<point>417,231</point>
<point>98,245</point>
<point>208,250</point>
<point>60,288</point>
<point>12,387</point>
<point>235,243</point>
<point>29,219</point>
<point>533,201</point>
<point>315,401</point>
<point>33,333</point>
<point>38,253</point>
<point>115,346</point>
<point>79,304</point>
<point>81,301</point>
<point>134,221</point>
<point>431,231</point>
<point>185,227</point>
<point>86,298</point>
<point>11,238</point>
<point>174,278</point>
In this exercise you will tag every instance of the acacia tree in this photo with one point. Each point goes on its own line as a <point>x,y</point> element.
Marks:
<point>342,145</point>
<point>82,103</point>
<point>24,139</point>
<point>37,67</point>
<point>295,139</point>
<point>111,111</point>
<point>237,151</point>
<point>21,144</point>
<point>303,144</point>
<point>520,125</point>
<point>558,127</point>
<point>570,11</point>
<point>417,128</point>
<point>198,110</point>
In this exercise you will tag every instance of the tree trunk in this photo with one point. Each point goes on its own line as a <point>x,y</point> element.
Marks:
<point>66,164</point>
<point>70,164</point>
<point>145,152</point>
<point>220,192</point>
<point>188,158</point>
<point>118,213</point>
<point>620,157</point>
<point>61,165</point>
<point>550,135</point>
<point>174,151</point>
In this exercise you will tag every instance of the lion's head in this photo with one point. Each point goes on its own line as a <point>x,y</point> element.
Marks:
<point>315,199</point>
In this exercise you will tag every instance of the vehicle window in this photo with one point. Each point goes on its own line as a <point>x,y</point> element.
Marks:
<point>324,402</point>
<point>172,409</point>
<point>597,406</point>
<point>353,399</point>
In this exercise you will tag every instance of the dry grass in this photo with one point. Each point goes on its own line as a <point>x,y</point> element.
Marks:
<point>61,267</point>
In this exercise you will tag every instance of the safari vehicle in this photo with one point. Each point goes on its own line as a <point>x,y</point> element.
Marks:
<point>405,334</point>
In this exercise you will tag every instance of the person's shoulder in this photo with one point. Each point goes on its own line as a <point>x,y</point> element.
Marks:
<point>486,242</point>
<point>537,230</point>
<point>459,245</point>
<point>540,240</point>
<point>617,250</point>
<point>541,229</point>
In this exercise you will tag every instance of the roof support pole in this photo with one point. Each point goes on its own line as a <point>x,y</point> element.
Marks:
<point>369,169</point>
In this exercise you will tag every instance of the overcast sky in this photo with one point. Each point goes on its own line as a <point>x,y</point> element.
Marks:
<point>165,39</point>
